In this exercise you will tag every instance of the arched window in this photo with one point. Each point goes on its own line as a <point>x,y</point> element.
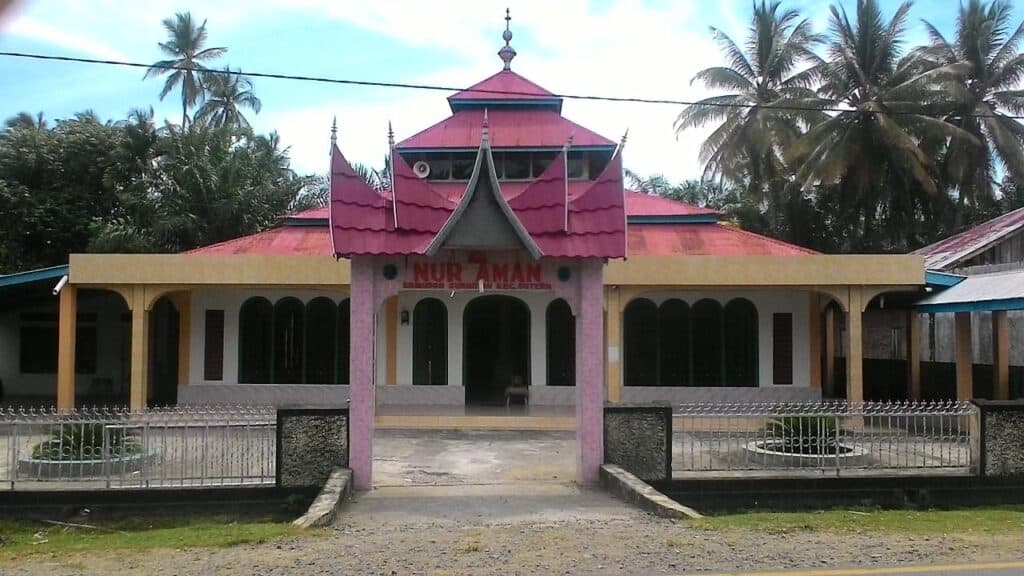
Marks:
<point>321,332</point>
<point>640,340</point>
<point>707,355</point>
<point>344,338</point>
<point>674,343</point>
<point>740,323</point>
<point>561,344</point>
<point>289,336</point>
<point>255,341</point>
<point>430,343</point>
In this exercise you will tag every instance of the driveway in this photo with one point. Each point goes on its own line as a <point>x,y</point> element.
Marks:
<point>435,457</point>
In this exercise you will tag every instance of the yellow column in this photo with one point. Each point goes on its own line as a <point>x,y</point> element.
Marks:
<point>814,339</point>
<point>613,345</point>
<point>1000,356</point>
<point>964,357</point>
<point>66,328</point>
<point>855,356</point>
<point>138,393</point>
<point>913,355</point>
<point>184,304</point>
<point>391,331</point>
<point>830,352</point>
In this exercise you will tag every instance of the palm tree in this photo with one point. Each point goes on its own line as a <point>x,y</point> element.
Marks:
<point>225,94</point>
<point>986,45</point>
<point>770,101</point>
<point>879,142</point>
<point>26,121</point>
<point>185,47</point>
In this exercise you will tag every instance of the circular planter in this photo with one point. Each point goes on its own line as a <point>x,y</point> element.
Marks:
<point>766,453</point>
<point>60,469</point>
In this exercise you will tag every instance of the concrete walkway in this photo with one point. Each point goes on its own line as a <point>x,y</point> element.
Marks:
<point>435,457</point>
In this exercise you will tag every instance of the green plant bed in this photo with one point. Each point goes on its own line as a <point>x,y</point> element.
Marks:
<point>86,450</point>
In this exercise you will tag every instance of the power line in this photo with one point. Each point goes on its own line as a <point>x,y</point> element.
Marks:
<point>442,88</point>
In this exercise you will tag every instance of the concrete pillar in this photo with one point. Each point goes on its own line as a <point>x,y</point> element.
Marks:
<point>183,301</point>
<point>139,388</point>
<point>361,373</point>
<point>391,340</point>
<point>814,339</point>
<point>964,357</point>
<point>613,339</point>
<point>589,373</point>
<point>66,329</point>
<point>855,354</point>
<point>1000,356</point>
<point>913,355</point>
<point>830,352</point>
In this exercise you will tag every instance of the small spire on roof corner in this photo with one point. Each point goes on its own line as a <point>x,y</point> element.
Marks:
<point>507,52</point>
<point>391,136</point>
<point>625,136</point>
<point>485,132</point>
<point>334,131</point>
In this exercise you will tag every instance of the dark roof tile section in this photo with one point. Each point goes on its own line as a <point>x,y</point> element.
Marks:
<point>948,253</point>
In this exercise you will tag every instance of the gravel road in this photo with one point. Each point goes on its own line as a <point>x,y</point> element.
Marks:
<point>530,529</point>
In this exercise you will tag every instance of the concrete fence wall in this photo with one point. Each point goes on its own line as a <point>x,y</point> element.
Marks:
<point>639,440</point>
<point>1002,438</point>
<point>310,443</point>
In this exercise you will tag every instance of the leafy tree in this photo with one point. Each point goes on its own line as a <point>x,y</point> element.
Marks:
<point>26,120</point>
<point>872,148</point>
<point>770,103</point>
<point>986,46</point>
<point>226,93</point>
<point>187,51</point>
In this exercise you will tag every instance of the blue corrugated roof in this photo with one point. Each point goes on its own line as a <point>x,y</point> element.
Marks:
<point>33,275</point>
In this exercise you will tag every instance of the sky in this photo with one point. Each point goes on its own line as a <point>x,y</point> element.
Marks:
<point>631,48</point>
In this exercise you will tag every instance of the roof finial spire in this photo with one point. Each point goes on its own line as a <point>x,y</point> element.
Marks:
<point>625,136</point>
<point>507,53</point>
<point>485,130</point>
<point>334,131</point>
<point>391,136</point>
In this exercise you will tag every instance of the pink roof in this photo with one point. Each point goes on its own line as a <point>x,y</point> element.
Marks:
<point>706,240</point>
<point>543,206</point>
<point>509,128</point>
<point>950,252</point>
<point>505,85</point>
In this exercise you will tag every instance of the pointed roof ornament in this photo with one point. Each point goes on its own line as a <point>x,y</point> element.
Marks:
<point>485,132</point>
<point>391,136</point>
<point>507,53</point>
<point>334,131</point>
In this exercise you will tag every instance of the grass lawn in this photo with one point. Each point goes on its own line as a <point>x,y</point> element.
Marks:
<point>21,538</point>
<point>998,520</point>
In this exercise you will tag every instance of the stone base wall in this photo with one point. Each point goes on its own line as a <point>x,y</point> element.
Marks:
<point>639,440</point>
<point>277,395</point>
<point>679,395</point>
<point>1002,437</point>
<point>311,442</point>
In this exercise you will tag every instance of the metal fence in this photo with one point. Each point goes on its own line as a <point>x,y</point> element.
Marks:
<point>825,437</point>
<point>184,446</point>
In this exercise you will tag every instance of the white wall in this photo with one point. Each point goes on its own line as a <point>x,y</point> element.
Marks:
<point>767,302</point>
<point>230,301</point>
<point>108,308</point>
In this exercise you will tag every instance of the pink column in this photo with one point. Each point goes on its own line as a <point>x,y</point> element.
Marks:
<point>361,406</point>
<point>590,373</point>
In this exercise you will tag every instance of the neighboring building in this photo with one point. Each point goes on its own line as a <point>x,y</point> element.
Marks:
<point>506,255</point>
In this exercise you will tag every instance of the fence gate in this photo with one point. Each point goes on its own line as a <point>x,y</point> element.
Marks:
<point>826,437</point>
<point>186,446</point>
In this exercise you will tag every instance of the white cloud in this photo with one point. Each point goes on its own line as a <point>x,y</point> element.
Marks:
<point>32,29</point>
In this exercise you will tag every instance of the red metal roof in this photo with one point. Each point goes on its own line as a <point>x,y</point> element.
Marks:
<point>282,241</point>
<point>639,204</point>
<point>950,252</point>
<point>705,240</point>
<point>509,128</point>
<point>543,206</point>
<point>505,85</point>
